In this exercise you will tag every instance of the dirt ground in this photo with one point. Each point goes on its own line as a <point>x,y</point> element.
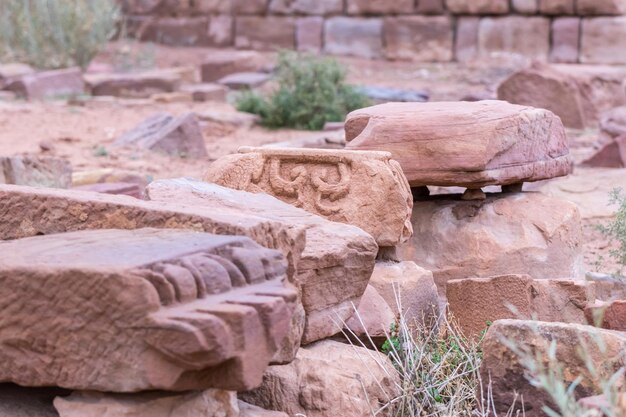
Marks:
<point>84,132</point>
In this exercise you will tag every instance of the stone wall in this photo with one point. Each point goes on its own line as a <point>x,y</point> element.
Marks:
<point>569,31</point>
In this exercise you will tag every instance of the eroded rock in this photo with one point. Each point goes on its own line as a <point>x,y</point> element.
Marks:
<point>326,377</point>
<point>503,367</point>
<point>35,171</point>
<point>336,262</point>
<point>464,144</point>
<point>520,233</point>
<point>173,135</point>
<point>188,310</point>
<point>365,189</point>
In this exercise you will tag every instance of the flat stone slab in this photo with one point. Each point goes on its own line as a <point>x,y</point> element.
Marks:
<point>365,189</point>
<point>126,311</point>
<point>336,263</point>
<point>31,211</point>
<point>134,85</point>
<point>464,144</point>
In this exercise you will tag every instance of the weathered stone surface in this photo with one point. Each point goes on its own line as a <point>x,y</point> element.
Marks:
<point>174,135</point>
<point>196,311</point>
<point>16,401</point>
<point>249,6</point>
<point>365,189</point>
<point>133,84</point>
<point>48,84</point>
<point>609,155</point>
<point>265,33</point>
<point>466,42</point>
<point>478,6</point>
<point>522,35</point>
<point>607,314</point>
<point>379,7</point>
<point>521,233</point>
<point>525,6</point>
<point>601,7</point>
<point>354,36</point>
<point>30,211</point>
<point>600,403</point>
<point>220,64</point>
<point>326,377</point>
<point>430,7</point>
<point>556,7</point>
<point>475,302</point>
<point>117,188</point>
<point>13,70</point>
<point>503,366</point>
<point>221,31</point>
<point>565,39</point>
<point>308,7</point>
<point>174,31</point>
<point>386,94</point>
<point>309,34</point>
<point>336,262</point>
<point>244,80</point>
<point>373,317</point>
<point>464,144</point>
<point>594,48</point>
<point>249,410</point>
<point>418,38</point>
<point>206,92</point>
<point>409,284</point>
<point>236,120</point>
<point>575,93</point>
<point>211,402</point>
<point>35,171</point>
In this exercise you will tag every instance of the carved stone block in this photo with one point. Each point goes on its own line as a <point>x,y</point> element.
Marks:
<point>336,263</point>
<point>464,144</point>
<point>365,189</point>
<point>125,311</point>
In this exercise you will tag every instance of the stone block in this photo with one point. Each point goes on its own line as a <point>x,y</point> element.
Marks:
<point>379,7</point>
<point>521,35</point>
<point>174,310</point>
<point>309,34</point>
<point>603,40</point>
<point>418,38</point>
<point>521,233</point>
<point>354,36</point>
<point>364,189</point>
<point>464,144</point>
<point>265,33</point>
<point>565,40</point>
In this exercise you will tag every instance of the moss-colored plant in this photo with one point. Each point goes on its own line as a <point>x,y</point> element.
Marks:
<point>56,33</point>
<point>311,91</point>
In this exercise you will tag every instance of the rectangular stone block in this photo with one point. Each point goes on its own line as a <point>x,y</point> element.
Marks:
<point>249,6</point>
<point>603,40</point>
<point>478,6</point>
<point>145,309</point>
<point>309,7</point>
<point>556,7</point>
<point>379,7</point>
<point>176,31</point>
<point>39,211</point>
<point>219,64</point>
<point>601,7</point>
<point>354,36</point>
<point>48,84</point>
<point>526,36</point>
<point>565,40</point>
<point>309,32</point>
<point>265,33</point>
<point>466,43</point>
<point>205,7</point>
<point>418,38</point>
<point>221,30</point>
<point>430,7</point>
<point>525,6</point>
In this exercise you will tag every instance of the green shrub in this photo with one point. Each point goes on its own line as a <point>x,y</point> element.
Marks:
<point>311,91</point>
<point>616,229</point>
<point>55,33</point>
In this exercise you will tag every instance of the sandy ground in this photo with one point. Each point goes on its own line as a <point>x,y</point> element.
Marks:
<point>84,133</point>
